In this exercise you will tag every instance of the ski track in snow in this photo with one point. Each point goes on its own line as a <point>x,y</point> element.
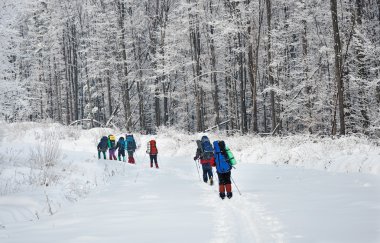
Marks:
<point>243,219</point>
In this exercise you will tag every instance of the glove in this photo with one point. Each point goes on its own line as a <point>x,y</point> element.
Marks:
<point>195,158</point>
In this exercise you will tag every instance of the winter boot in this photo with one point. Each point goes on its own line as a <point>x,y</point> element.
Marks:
<point>211,181</point>
<point>156,165</point>
<point>151,164</point>
<point>222,195</point>
<point>119,158</point>
<point>132,160</point>
<point>229,190</point>
<point>123,159</point>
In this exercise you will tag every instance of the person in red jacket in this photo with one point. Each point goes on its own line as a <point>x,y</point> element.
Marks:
<point>152,151</point>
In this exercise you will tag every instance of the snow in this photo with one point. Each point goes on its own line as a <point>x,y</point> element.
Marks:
<point>294,189</point>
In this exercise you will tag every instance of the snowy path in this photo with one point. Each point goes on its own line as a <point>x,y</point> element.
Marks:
<point>279,204</point>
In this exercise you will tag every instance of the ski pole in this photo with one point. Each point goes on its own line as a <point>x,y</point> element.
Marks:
<point>236,185</point>
<point>196,165</point>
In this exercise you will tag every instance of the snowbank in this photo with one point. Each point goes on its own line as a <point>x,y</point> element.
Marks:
<point>45,166</point>
<point>347,154</point>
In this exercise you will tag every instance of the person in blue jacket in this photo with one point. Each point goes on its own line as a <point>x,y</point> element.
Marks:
<point>223,169</point>
<point>130,146</point>
<point>120,146</point>
<point>102,147</point>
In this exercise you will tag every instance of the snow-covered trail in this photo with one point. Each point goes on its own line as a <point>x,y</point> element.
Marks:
<point>171,204</point>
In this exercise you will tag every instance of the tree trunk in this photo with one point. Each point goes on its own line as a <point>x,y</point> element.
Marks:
<point>361,69</point>
<point>213,69</point>
<point>125,83</point>
<point>243,107</point>
<point>270,69</point>
<point>338,65</point>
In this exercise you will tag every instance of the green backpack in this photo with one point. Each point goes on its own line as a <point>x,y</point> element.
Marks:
<point>230,156</point>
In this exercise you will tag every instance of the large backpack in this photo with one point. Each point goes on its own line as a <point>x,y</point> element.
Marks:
<point>222,166</point>
<point>103,143</point>
<point>227,153</point>
<point>130,143</point>
<point>111,141</point>
<point>207,152</point>
<point>121,144</point>
<point>152,148</point>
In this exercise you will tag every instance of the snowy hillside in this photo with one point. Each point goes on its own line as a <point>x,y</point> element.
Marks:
<point>293,189</point>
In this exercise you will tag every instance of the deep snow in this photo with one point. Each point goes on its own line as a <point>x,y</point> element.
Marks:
<point>107,201</point>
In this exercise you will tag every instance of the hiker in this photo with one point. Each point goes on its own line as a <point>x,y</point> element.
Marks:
<point>112,147</point>
<point>102,147</point>
<point>152,151</point>
<point>121,149</point>
<point>205,153</point>
<point>130,145</point>
<point>223,169</point>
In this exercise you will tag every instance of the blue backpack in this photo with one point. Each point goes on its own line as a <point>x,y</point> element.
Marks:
<point>103,143</point>
<point>222,166</point>
<point>130,143</point>
<point>206,147</point>
<point>121,144</point>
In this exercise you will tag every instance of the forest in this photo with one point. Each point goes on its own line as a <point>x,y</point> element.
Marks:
<point>241,66</point>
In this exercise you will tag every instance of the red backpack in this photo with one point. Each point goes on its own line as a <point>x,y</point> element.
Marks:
<point>153,147</point>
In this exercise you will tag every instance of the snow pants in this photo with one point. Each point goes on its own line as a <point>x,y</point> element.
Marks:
<point>102,152</point>
<point>153,158</point>
<point>121,153</point>
<point>130,157</point>
<point>112,154</point>
<point>225,184</point>
<point>207,171</point>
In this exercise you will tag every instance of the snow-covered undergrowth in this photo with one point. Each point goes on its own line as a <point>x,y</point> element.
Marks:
<point>346,154</point>
<point>46,166</point>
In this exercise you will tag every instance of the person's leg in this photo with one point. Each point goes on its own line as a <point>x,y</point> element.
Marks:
<point>104,154</point>
<point>123,155</point>
<point>204,169</point>
<point>151,160</point>
<point>119,155</point>
<point>155,160</point>
<point>222,191</point>
<point>99,154</point>
<point>129,157</point>
<point>209,172</point>
<point>110,154</point>
<point>228,184</point>
<point>114,154</point>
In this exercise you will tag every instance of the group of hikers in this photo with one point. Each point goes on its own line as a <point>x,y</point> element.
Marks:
<point>128,144</point>
<point>216,155</point>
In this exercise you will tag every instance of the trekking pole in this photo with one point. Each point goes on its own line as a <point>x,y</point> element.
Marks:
<point>196,165</point>
<point>236,185</point>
